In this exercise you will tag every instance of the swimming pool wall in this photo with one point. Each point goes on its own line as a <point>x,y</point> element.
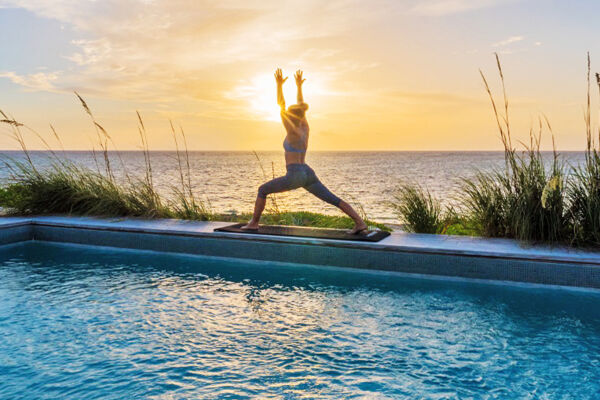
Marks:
<point>13,230</point>
<point>450,256</point>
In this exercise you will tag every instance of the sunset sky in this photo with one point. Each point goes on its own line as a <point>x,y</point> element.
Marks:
<point>381,75</point>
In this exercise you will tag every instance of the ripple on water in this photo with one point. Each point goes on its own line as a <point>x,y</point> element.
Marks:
<point>82,323</point>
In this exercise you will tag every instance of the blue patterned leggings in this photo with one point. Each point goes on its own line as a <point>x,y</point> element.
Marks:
<point>297,176</point>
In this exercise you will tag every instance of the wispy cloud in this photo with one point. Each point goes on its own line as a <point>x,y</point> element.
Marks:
<point>168,50</point>
<point>506,42</point>
<point>172,50</point>
<point>515,44</point>
<point>37,81</point>
<point>446,7</point>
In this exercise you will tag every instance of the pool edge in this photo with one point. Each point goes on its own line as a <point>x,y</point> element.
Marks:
<point>498,260</point>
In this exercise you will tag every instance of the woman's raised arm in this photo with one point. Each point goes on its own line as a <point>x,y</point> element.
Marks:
<point>299,82</point>
<point>280,81</point>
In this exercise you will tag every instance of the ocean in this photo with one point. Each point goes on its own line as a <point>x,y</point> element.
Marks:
<point>228,181</point>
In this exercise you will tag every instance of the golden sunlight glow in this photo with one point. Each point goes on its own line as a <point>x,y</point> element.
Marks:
<point>263,101</point>
<point>375,79</point>
<point>261,95</point>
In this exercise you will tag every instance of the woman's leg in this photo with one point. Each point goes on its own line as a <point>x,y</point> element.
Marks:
<point>318,189</point>
<point>259,206</point>
<point>281,184</point>
<point>359,223</point>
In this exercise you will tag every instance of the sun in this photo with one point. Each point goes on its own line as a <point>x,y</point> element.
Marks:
<point>263,101</point>
<point>261,94</point>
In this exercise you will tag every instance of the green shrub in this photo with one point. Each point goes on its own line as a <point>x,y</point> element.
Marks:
<point>68,189</point>
<point>584,196</point>
<point>524,202</point>
<point>418,209</point>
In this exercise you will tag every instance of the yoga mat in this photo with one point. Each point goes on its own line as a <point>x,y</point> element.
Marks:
<point>307,232</point>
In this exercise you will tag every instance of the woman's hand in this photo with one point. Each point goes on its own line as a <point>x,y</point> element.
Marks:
<point>298,76</point>
<point>279,77</point>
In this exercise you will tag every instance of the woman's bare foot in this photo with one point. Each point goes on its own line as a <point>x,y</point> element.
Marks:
<point>358,228</point>
<point>250,226</point>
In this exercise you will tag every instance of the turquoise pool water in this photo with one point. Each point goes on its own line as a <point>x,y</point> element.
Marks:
<point>91,323</point>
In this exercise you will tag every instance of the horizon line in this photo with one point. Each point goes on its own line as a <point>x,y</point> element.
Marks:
<point>278,151</point>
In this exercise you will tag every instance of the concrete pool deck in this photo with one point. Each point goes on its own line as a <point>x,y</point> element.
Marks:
<point>452,256</point>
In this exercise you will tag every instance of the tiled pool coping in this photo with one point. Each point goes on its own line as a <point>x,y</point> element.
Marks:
<point>456,256</point>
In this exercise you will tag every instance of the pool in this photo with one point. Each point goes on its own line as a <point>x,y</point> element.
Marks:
<point>81,322</point>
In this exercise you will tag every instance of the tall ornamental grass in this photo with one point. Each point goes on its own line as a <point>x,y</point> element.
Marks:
<point>529,199</point>
<point>63,187</point>
<point>583,190</point>
<point>524,200</point>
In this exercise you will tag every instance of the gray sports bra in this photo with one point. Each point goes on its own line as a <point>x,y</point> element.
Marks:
<point>288,147</point>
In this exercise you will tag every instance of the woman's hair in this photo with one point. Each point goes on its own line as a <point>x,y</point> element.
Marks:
<point>297,112</point>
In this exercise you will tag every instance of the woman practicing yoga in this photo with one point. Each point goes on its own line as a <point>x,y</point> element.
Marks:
<point>299,174</point>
